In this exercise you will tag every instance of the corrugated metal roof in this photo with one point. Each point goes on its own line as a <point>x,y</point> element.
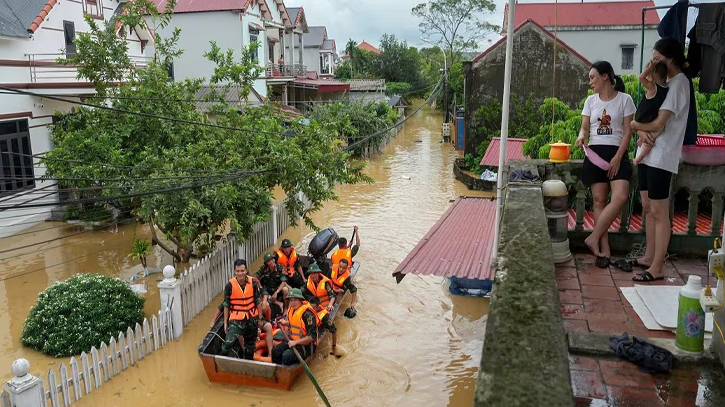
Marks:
<point>366,85</point>
<point>232,96</point>
<point>584,14</point>
<point>16,16</point>
<point>514,151</point>
<point>195,6</point>
<point>458,245</point>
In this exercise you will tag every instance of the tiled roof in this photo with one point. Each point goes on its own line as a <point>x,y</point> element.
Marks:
<point>583,14</point>
<point>364,85</point>
<point>368,47</point>
<point>398,100</point>
<point>329,45</point>
<point>232,97</point>
<point>514,151</point>
<point>315,37</point>
<point>458,245</point>
<point>195,6</point>
<point>18,18</point>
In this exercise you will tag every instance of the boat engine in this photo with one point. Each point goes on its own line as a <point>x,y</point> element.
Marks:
<point>323,243</point>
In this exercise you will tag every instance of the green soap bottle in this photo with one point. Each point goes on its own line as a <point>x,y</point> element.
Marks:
<point>691,318</point>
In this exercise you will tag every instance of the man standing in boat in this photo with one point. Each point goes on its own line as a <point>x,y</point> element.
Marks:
<point>319,286</point>
<point>286,257</point>
<point>242,297</point>
<point>301,324</point>
<point>274,285</point>
<point>344,252</point>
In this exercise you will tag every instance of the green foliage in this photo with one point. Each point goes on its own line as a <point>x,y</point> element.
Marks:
<point>140,249</point>
<point>72,316</point>
<point>397,88</point>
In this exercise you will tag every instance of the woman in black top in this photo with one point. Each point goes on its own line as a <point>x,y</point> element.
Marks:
<point>654,80</point>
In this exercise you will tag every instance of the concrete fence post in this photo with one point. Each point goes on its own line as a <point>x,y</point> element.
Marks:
<point>275,226</point>
<point>170,292</point>
<point>25,389</point>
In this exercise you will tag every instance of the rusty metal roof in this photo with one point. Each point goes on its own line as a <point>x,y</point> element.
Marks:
<point>514,151</point>
<point>458,245</point>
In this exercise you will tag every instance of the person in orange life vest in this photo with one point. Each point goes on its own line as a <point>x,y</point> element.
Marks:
<point>345,252</point>
<point>286,257</point>
<point>242,296</point>
<point>263,325</point>
<point>301,324</point>
<point>325,322</point>
<point>274,281</point>
<point>319,286</point>
<point>341,281</point>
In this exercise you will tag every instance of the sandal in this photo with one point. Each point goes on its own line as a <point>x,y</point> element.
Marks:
<point>602,262</point>
<point>623,265</point>
<point>646,277</point>
<point>636,262</point>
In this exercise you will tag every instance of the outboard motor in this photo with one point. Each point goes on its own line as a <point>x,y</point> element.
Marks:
<point>323,243</point>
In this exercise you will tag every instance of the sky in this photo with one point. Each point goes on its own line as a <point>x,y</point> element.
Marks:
<point>369,19</point>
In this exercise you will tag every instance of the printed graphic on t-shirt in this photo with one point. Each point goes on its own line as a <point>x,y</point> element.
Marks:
<point>605,128</point>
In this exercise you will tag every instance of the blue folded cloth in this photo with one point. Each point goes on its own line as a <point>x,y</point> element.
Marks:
<point>650,358</point>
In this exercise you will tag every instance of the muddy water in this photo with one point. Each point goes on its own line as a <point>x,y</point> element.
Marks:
<point>411,344</point>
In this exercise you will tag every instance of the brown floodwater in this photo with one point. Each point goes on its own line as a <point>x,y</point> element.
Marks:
<point>411,344</point>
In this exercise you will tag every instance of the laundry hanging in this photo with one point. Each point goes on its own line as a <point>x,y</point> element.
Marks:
<point>706,56</point>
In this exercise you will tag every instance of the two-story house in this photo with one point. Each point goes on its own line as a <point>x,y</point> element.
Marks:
<point>34,34</point>
<point>234,24</point>
<point>319,51</point>
<point>600,31</point>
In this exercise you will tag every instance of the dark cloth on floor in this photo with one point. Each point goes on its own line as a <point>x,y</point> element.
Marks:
<point>650,358</point>
<point>522,175</point>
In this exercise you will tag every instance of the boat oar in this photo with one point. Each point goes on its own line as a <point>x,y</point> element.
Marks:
<point>307,370</point>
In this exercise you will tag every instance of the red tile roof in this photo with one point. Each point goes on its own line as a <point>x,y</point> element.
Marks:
<point>584,14</point>
<point>194,6</point>
<point>514,151</point>
<point>324,85</point>
<point>540,28</point>
<point>41,16</point>
<point>458,245</point>
<point>368,47</point>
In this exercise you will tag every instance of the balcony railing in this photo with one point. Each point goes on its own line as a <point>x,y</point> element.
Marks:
<point>45,68</point>
<point>286,71</point>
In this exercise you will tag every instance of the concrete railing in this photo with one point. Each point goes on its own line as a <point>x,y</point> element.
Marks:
<point>525,356</point>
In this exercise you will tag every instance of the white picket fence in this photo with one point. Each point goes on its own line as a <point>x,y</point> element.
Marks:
<point>103,364</point>
<point>206,279</point>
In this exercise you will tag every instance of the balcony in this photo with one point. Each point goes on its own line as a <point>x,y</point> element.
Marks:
<point>285,71</point>
<point>45,68</point>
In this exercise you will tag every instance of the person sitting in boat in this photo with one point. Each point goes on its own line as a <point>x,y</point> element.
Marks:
<point>345,252</point>
<point>319,286</point>
<point>264,326</point>
<point>341,281</point>
<point>286,257</point>
<point>274,285</point>
<point>242,296</point>
<point>301,325</point>
<point>324,321</point>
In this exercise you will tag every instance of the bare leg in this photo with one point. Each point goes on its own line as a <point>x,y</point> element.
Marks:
<point>663,229</point>
<point>269,339</point>
<point>620,195</point>
<point>352,301</point>
<point>264,307</point>
<point>646,148</point>
<point>599,194</point>
<point>650,231</point>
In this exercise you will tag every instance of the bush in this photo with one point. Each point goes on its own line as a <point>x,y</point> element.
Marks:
<point>72,316</point>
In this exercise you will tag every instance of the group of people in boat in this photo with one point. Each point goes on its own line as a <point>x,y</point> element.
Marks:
<point>280,297</point>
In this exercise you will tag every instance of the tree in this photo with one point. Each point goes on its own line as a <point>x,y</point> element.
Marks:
<point>397,62</point>
<point>219,174</point>
<point>456,25</point>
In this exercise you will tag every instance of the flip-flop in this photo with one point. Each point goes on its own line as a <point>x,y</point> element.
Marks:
<point>646,277</point>
<point>602,262</point>
<point>623,265</point>
<point>636,263</point>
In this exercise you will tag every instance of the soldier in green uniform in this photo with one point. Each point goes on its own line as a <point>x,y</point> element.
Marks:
<point>242,297</point>
<point>274,285</point>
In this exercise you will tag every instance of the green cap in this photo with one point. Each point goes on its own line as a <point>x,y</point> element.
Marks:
<point>268,256</point>
<point>314,268</point>
<point>286,243</point>
<point>295,293</point>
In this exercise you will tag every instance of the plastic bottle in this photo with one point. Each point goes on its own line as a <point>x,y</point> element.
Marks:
<point>691,317</point>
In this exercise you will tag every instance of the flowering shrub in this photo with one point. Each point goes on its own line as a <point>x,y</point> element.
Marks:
<point>72,316</point>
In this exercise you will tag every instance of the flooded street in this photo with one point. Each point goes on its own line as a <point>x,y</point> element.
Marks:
<point>411,344</point>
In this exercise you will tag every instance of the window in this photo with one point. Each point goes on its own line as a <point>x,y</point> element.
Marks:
<point>15,160</point>
<point>253,37</point>
<point>69,31</point>
<point>627,57</point>
<point>94,8</point>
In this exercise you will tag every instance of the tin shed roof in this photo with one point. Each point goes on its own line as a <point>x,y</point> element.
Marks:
<point>514,151</point>
<point>458,245</point>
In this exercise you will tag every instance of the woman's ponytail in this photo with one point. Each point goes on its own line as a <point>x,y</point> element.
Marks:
<point>619,84</point>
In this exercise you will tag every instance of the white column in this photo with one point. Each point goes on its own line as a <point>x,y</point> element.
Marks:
<point>170,292</point>
<point>291,49</point>
<point>25,389</point>
<point>302,50</point>
<point>273,213</point>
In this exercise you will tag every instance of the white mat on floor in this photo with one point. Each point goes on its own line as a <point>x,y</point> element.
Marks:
<point>630,293</point>
<point>662,302</point>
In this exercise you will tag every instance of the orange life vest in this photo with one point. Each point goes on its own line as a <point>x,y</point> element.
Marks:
<point>320,291</point>
<point>297,328</point>
<point>321,314</point>
<point>339,280</point>
<point>287,263</point>
<point>342,254</point>
<point>242,304</point>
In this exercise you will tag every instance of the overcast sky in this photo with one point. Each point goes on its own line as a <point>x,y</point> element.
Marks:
<point>369,19</point>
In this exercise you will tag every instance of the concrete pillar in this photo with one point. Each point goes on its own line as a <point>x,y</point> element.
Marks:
<point>170,292</point>
<point>25,389</point>
<point>302,50</point>
<point>273,214</point>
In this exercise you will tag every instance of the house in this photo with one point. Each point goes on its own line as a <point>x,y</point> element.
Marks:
<point>34,34</point>
<point>533,74</point>
<point>367,90</point>
<point>366,46</point>
<point>400,104</point>
<point>600,31</point>
<point>319,51</point>
<point>306,92</point>
<point>268,22</point>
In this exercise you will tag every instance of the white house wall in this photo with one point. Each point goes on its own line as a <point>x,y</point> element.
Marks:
<point>597,45</point>
<point>312,59</point>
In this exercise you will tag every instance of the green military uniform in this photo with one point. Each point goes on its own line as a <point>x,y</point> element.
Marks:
<point>271,280</point>
<point>246,328</point>
<point>314,268</point>
<point>282,354</point>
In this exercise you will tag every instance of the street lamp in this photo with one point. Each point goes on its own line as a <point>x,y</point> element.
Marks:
<point>445,81</point>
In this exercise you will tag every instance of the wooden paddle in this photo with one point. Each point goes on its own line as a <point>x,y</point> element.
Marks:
<point>307,370</point>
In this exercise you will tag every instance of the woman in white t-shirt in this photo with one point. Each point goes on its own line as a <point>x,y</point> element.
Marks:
<point>666,132</point>
<point>606,119</point>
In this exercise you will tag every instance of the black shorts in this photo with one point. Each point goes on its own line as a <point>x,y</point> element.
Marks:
<point>655,181</point>
<point>591,174</point>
